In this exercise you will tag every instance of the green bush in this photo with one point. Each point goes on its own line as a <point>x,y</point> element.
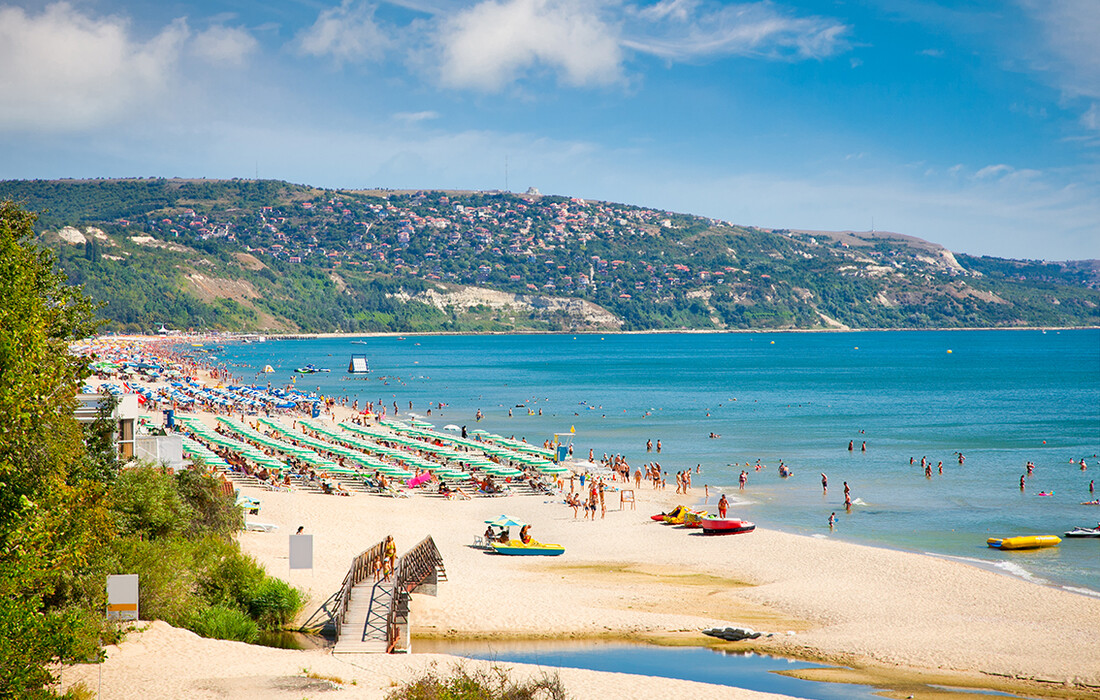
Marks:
<point>232,581</point>
<point>147,503</point>
<point>213,511</point>
<point>165,576</point>
<point>237,581</point>
<point>274,603</point>
<point>220,622</point>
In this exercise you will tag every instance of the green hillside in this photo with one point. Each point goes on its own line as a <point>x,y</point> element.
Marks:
<point>277,257</point>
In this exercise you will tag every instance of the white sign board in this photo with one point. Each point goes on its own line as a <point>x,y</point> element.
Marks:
<point>122,597</point>
<point>301,551</point>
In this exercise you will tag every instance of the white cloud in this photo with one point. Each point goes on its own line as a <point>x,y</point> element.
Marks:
<point>348,33</point>
<point>686,30</point>
<point>1091,118</point>
<point>1070,54</point>
<point>990,171</point>
<point>1071,28</point>
<point>224,45</point>
<point>495,42</point>
<point>414,117</point>
<point>65,70</point>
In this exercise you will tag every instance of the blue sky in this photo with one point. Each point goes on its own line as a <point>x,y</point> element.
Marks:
<point>971,123</point>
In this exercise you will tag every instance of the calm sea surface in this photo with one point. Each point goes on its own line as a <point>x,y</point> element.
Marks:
<point>1002,398</point>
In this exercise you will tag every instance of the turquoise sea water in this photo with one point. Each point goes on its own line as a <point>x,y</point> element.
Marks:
<point>1002,398</point>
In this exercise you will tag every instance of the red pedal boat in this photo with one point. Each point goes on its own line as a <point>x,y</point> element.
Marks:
<point>726,526</point>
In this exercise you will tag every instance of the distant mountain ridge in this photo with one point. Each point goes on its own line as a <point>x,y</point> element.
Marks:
<point>277,257</point>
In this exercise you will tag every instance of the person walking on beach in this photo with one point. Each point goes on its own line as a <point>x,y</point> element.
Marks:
<point>638,478</point>
<point>389,557</point>
<point>723,505</point>
<point>824,484</point>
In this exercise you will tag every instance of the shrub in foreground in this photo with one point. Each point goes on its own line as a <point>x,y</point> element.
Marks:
<point>274,603</point>
<point>478,685</point>
<point>218,622</point>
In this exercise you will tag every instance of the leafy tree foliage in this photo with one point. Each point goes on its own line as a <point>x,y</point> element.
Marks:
<point>69,516</point>
<point>44,519</point>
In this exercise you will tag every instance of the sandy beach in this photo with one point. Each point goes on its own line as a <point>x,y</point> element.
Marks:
<point>625,576</point>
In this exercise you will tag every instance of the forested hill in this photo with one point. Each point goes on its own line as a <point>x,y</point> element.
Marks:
<point>273,256</point>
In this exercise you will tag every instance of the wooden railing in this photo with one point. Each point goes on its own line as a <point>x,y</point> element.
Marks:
<point>364,566</point>
<point>421,565</point>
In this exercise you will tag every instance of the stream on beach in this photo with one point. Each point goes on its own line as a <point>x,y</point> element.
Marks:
<point>750,670</point>
<point>1000,398</point>
<point>747,670</point>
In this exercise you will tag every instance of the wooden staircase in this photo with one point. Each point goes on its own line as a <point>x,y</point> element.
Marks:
<point>373,615</point>
<point>364,630</point>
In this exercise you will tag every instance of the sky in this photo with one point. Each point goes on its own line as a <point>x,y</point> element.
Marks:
<point>971,123</point>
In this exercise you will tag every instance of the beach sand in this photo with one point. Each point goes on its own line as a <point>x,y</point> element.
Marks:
<point>626,576</point>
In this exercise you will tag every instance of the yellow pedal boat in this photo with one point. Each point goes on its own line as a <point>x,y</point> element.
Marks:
<point>1023,542</point>
<point>532,548</point>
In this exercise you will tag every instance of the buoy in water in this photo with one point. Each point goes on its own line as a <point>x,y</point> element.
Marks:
<point>949,352</point>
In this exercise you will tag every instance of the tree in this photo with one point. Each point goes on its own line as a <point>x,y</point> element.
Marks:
<point>43,518</point>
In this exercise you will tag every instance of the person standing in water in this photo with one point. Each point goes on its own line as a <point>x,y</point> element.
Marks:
<point>824,484</point>
<point>832,520</point>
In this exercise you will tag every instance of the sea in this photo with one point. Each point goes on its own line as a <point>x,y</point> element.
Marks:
<point>1000,398</point>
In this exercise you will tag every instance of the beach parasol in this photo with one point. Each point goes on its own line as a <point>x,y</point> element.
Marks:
<point>452,426</point>
<point>505,521</point>
<point>268,369</point>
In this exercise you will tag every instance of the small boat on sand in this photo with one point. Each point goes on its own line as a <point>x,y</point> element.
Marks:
<point>694,518</point>
<point>726,526</point>
<point>1023,542</point>
<point>532,548</point>
<point>1084,531</point>
<point>680,515</point>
